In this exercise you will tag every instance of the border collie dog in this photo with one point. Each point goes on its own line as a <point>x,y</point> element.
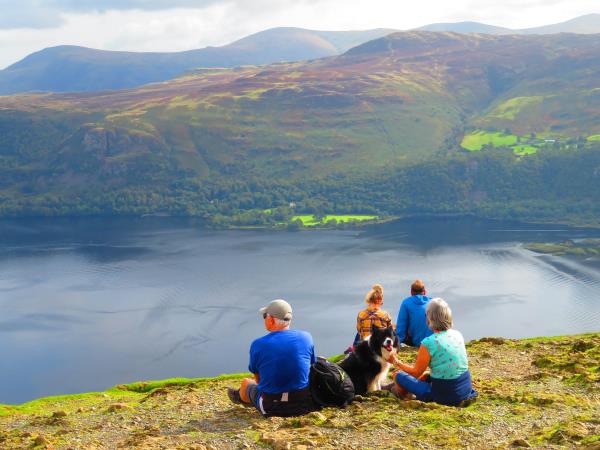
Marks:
<point>367,365</point>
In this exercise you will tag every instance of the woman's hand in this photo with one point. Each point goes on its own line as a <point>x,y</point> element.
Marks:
<point>392,359</point>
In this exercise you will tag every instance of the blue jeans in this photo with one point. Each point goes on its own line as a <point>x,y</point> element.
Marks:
<point>445,392</point>
<point>422,389</point>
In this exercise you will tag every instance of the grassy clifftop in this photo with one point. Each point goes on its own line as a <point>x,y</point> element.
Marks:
<point>542,393</point>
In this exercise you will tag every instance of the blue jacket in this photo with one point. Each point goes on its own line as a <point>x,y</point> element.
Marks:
<point>412,320</point>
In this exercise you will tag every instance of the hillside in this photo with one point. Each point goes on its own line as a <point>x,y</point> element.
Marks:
<point>540,393</point>
<point>76,69</point>
<point>387,108</point>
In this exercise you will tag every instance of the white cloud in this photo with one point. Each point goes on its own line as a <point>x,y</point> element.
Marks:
<point>116,26</point>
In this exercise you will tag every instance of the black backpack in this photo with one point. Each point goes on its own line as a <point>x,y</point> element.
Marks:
<point>330,385</point>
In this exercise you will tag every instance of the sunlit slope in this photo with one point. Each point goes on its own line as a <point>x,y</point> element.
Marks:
<point>390,102</point>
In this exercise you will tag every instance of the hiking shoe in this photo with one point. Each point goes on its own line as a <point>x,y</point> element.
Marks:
<point>387,387</point>
<point>234,395</point>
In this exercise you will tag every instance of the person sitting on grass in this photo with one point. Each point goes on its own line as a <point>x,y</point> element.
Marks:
<point>280,362</point>
<point>445,354</point>
<point>372,316</point>
<point>411,326</point>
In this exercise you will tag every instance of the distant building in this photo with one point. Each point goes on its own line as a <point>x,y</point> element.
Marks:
<point>292,204</point>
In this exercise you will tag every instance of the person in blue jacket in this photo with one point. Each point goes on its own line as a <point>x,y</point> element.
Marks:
<point>411,326</point>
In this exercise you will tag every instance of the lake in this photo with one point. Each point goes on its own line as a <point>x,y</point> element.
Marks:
<point>90,303</point>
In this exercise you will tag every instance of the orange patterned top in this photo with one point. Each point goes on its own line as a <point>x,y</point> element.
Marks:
<point>372,316</point>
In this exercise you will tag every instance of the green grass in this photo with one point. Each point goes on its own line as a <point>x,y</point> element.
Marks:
<point>310,220</point>
<point>594,138</point>
<point>476,140</point>
<point>524,149</point>
<point>147,386</point>
<point>67,402</point>
<point>120,393</point>
<point>511,108</point>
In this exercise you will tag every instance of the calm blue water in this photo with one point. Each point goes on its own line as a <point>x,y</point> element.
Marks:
<point>89,303</point>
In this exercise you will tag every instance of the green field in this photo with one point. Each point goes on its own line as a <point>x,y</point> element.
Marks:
<point>311,221</point>
<point>594,138</point>
<point>476,140</point>
<point>524,149</point>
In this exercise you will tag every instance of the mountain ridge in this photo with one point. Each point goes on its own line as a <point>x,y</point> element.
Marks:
<point>586,24</point>
<point>71,68</point>
<point>81,69</point>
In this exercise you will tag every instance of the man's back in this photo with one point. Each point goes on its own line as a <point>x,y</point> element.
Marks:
<point>412,319</point>
<point>282,359</point>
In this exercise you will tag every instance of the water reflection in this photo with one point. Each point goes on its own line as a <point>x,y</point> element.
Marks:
<point>90,303</point>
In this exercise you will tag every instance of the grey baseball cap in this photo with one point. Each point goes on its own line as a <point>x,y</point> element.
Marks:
<point>280,309</point>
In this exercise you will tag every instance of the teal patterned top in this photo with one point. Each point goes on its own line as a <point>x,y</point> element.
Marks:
<point>448,354</point>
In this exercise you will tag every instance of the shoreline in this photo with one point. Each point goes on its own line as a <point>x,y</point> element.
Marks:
<point>353,225</point>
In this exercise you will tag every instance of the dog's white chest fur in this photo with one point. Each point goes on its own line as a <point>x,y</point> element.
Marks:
<point>381,378</point>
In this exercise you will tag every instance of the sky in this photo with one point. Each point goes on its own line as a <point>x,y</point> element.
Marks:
<point>174,25</point>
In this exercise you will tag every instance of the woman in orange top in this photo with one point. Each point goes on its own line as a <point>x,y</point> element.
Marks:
<point>373,315</point>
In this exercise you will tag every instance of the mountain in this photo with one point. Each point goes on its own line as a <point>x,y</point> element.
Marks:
<point>365,131</point>
<point>588,24</point>
<point>77,69</point>
<point>466,27</point>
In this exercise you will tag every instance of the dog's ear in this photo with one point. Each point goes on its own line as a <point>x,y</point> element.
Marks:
<point>374,329</point>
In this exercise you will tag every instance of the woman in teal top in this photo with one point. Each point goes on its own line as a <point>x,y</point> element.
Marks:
<point>445,354</point>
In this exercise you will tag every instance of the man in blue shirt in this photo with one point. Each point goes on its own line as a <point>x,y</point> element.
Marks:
<point>411,326</point>
<point>280,362</point>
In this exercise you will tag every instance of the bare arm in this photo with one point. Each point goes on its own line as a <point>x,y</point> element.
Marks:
<point>420,366</point>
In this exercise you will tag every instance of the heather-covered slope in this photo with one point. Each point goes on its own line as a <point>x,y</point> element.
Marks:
<point>390,104</point>
<point>541,393</point>
<point>75,69</point>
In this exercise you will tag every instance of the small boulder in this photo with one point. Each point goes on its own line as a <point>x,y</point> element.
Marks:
<point>520,443</point>
<point>116,407</point>
<point>40,441</point>
<point>582,346</point>
<point>280,444</point>
<point>59,415</point>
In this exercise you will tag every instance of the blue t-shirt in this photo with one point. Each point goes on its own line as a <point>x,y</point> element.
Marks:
<point>282,359</point>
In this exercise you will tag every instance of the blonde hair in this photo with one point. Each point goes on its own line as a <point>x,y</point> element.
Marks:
<point>375,294</point>
<point>439,315</point>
